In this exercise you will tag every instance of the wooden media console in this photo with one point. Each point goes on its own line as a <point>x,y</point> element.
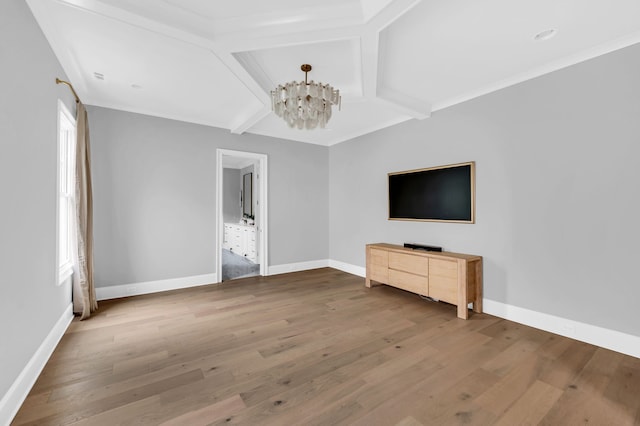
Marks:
<point>450,277</point>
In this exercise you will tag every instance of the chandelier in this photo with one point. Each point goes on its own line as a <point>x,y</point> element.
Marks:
<point>305,104</point>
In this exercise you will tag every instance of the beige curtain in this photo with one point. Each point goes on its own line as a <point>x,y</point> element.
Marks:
<point>84,292</point>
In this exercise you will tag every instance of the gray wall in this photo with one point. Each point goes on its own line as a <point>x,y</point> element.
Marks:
<point>154,194</point>
<point>232,211</point>
<point>558,196</point>
<point>30,300</point>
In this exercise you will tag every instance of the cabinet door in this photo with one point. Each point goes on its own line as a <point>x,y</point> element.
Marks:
<point>443,280</point>
<point>378,265</point>
<point>252,253</point>
<point>236,240</point>
<point>244,237</point>
<point>251,239</point>
<point>226,243</point>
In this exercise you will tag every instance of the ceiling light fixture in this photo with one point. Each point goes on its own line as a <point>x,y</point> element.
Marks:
<point>545,35</point>
<point>305,104</point>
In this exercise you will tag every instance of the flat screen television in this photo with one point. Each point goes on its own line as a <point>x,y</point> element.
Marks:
<point>439,194</point>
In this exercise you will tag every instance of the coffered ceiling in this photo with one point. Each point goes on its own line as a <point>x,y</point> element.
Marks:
<point>214,62</point>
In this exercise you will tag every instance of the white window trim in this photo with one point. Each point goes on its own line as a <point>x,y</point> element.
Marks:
<point>65,270</point>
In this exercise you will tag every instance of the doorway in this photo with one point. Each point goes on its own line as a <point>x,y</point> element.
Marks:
<point>241,214</point>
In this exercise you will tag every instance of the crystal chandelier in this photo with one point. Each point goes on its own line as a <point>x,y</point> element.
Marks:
<point>305,104</point>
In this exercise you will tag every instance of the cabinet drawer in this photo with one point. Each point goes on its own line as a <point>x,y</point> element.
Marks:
<point>406,262</point>
<point>443,288</point>
<point>410,282</point>
<point>443,268</point>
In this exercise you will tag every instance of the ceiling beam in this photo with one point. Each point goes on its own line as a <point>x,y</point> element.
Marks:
<point>248,120</point>
<point>248,62</point>
<point>242,74</point>
<point>389,14</point>
<point>234,50</point>
<point>372,55</point>
<point>248,42</point>
<point>99,7</point>
<point>242,124</point>
<point>404,104</point>
<point>242,67</point>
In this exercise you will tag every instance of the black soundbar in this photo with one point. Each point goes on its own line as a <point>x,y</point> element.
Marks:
<point>422,247</point>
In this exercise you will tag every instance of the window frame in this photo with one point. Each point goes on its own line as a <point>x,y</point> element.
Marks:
<point>65,191</point>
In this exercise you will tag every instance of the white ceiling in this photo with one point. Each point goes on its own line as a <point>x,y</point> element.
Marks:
<point>214,62</point>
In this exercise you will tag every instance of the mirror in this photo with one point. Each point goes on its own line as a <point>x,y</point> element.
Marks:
<point>247,190</point>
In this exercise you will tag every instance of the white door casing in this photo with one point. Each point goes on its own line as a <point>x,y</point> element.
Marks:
<point>262,210</point>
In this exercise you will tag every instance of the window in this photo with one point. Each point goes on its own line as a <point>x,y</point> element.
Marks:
<point>66,190</point>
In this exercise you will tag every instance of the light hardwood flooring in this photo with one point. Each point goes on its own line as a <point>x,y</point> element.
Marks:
<point>318,348</point>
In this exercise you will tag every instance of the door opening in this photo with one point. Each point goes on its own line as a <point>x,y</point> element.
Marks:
<point>241,214</point>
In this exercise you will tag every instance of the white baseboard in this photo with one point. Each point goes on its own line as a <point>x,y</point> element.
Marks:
<point>315,264</point>
<point>135,289</point>
<point>17,393</point>
<point>296,267</point>
<point>606,338</point>
<point>348,268</point>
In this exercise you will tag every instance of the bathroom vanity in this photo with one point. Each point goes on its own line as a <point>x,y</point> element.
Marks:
<point>241,240</point>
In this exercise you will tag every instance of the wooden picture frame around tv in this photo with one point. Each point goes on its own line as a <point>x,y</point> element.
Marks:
<point>434,194</point>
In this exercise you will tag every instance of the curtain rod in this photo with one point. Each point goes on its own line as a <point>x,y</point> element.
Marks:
<point>58,81</point>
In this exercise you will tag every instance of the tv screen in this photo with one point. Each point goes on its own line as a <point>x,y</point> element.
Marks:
<point>443,194</point>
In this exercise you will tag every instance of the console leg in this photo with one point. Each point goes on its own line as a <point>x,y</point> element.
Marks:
<point>463,311</point>
<point>477,302</point>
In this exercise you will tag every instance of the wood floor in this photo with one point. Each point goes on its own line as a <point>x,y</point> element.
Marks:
<point>318,348</point>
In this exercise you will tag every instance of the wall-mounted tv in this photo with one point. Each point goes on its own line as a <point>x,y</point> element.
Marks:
<point>439,194</point>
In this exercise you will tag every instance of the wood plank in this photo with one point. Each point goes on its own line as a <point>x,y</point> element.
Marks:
<point>409,421</point>
<point>317,347</point>
<point>512,386</point>
<point>531,408</point>
<point>208,414</point>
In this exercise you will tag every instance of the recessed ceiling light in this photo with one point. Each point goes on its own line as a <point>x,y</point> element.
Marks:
<point>545,35</point>
<point>98,75</point>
